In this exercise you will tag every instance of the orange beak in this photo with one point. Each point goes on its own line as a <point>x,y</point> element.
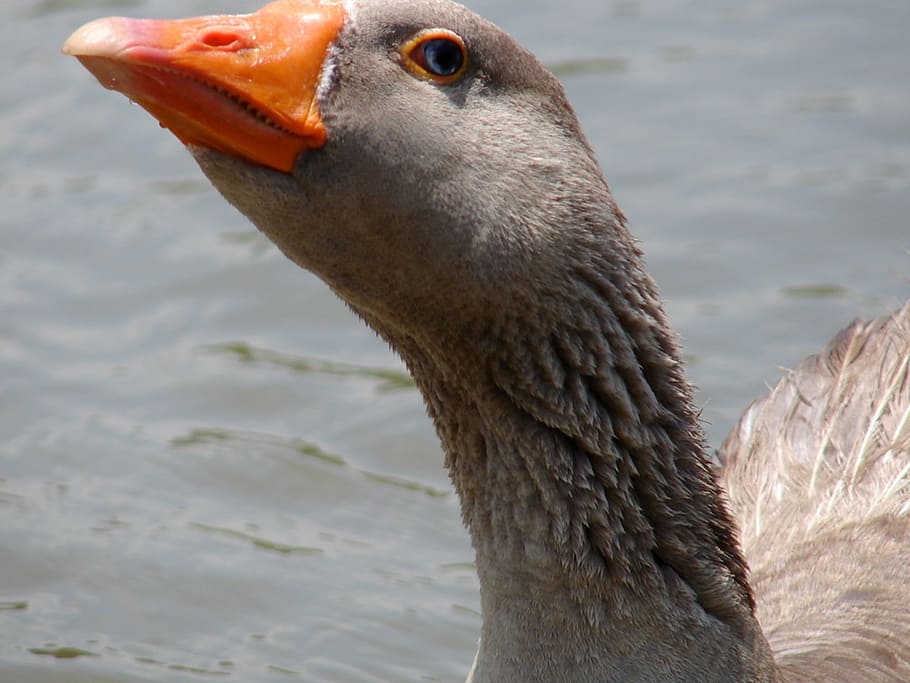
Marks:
<point>244,85</point>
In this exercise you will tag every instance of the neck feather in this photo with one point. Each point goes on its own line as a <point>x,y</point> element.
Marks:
<point>573,444</point>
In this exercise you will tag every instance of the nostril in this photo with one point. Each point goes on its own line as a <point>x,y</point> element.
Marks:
<point>220,39</point>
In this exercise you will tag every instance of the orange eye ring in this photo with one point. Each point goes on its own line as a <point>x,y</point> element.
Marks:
<point>436,54</point>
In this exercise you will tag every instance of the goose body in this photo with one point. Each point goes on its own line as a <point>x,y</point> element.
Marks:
<point>817,475</point>
<point>432,173</point>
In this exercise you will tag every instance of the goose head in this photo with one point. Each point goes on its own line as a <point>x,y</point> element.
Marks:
<point>418,160</point>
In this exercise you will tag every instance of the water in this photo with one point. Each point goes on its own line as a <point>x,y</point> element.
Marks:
<point>210,469</point>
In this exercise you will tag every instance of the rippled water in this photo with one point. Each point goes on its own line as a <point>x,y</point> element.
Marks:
<point>209,469</point>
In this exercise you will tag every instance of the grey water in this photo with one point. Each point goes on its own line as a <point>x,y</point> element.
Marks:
<point>210,470</point>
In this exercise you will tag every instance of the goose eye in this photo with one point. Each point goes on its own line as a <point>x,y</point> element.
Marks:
<point>439,54</point>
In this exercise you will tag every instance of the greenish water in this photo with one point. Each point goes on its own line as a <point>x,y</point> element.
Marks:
<point>210,469</point>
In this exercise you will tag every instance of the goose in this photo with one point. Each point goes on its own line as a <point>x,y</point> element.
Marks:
<point>431,171</point>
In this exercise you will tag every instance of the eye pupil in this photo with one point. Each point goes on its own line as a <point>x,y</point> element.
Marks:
<point>442,56</point>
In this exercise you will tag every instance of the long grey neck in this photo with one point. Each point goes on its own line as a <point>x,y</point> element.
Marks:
<point>603,546</point>
<point>604,550</point>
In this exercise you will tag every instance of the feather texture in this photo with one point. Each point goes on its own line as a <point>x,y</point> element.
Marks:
<point>818,475</point>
